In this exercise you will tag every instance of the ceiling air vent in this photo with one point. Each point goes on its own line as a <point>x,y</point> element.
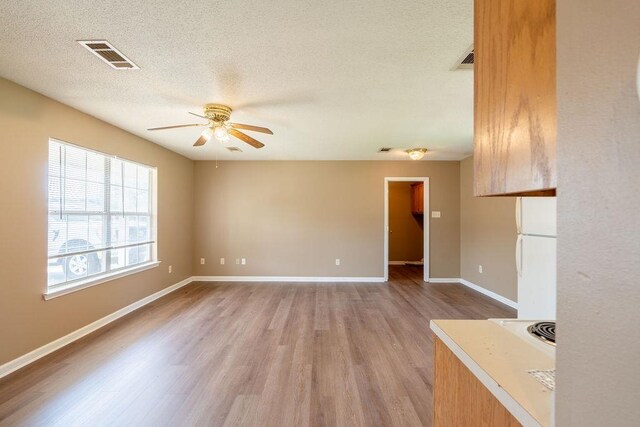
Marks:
<point>384,150</point>
<point>234,149</point>
<point>109,54</point>
<point>466,61</point>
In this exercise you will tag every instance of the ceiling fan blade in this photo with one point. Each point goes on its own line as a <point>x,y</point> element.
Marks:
<point>179,126</point>
<point>250,127</point>
<point>246,138</point>
<point>198,115</point>
<point>206,136</point>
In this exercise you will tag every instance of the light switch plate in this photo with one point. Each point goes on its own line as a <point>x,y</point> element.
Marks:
<point>435,214</point>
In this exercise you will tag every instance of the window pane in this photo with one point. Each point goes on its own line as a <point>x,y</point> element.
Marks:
<point>130,199</point>
<point>116,199</point>
<point>116,172</point>
<point>144,253</point>
<point>78,234</point>
<point>132,256</point>
<point>75,195</point>
<point>130,175</point>
<point>144,229</point>
<point>75,163</point>
<point>95,197</point>
<point>55,158</point>
<point>56,272</point>
<point>97,263</point>
<point>97,228</point>
<point>117,258</point>
<point>55,195</point>
<point>118,235</point>
<point>143,201</point>
<point>132,229</point>
<point>95,167</point>
<point>75,266</point>
<point>57,234</point>
<point>79,266</point>
<point>143,178</point>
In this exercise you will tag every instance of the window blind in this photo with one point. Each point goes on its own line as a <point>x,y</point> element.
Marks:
<point>100,214</point>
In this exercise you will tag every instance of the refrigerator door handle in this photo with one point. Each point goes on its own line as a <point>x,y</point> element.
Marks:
<point>518,214</point>
<point>519,255</point>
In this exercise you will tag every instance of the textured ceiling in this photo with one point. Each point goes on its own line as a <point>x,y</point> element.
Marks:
<point>335,79</point>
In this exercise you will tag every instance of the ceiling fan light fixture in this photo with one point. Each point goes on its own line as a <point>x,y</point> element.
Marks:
<point>221,133</point>
<point>416,153</point>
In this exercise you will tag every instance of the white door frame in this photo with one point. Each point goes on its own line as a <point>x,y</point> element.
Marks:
<point>425,224</point>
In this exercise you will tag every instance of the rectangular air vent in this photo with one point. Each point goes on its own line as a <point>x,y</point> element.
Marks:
<point>466,60</point>
<point>109,54</point>
<point>384,150</point>
<point>234,149</point>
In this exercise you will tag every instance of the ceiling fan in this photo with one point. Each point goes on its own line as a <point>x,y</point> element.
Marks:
<point>219,127</point>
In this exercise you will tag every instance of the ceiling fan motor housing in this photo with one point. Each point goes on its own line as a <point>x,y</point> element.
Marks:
<point>217,113</point>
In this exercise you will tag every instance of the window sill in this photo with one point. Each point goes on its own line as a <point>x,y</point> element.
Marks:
<point>93,281</point>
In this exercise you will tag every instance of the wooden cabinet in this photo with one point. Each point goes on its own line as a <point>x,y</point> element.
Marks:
<point>515,97</point>
<point>417,198</point>
<point>460,399</point>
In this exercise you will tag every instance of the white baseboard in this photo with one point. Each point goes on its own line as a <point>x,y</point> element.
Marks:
<point>443,280</point>
<point>480,289</point>
<point>38,353</point>
<point>286,279</point>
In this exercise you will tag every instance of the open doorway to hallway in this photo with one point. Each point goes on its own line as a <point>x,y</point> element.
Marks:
<point>406,230</point>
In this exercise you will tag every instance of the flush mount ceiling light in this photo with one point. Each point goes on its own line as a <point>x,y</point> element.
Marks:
<point>416,153</point>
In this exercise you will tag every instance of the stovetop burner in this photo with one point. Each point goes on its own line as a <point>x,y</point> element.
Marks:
<point>544,331</point>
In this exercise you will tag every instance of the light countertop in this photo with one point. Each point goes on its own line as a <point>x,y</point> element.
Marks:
<point>500,360</point>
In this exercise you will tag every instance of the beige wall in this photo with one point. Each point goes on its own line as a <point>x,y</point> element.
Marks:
<point>406,231</point>
<point>27,120</point>
<point>487,237</point>
<point>598,213</point>
<point>295,218</point>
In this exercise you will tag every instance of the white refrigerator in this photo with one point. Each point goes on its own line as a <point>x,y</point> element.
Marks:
<point>536,257</point>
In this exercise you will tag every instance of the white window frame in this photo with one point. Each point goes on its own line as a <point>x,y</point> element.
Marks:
<point>74,285</point>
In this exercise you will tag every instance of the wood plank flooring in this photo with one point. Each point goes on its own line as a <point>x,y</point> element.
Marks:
<point>255,354</point>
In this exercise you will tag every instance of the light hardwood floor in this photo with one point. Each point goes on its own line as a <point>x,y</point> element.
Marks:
<point>261,354</point>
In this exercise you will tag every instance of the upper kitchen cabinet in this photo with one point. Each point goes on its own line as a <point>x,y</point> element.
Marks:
<point>515,98</point>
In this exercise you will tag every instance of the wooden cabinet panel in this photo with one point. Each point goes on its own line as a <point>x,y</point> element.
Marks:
<point>460,399</point>
<point>515,97</point>
<point>417,198</point>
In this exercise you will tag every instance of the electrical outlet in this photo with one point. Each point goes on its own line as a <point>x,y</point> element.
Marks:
<point>237,261</point>
<point>479,269</point>
<point>244,261</point>
<point>337,261</point>
<point>222,261</point>
<point>171,269</point>
<point>202,261</point>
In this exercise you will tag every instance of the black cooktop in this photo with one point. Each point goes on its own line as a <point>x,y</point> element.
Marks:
<point>545,331</point>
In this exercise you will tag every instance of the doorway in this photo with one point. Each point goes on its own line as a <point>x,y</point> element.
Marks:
<point>413,217</point>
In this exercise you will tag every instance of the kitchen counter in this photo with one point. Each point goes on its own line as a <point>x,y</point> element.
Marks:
<point>500,360</point>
